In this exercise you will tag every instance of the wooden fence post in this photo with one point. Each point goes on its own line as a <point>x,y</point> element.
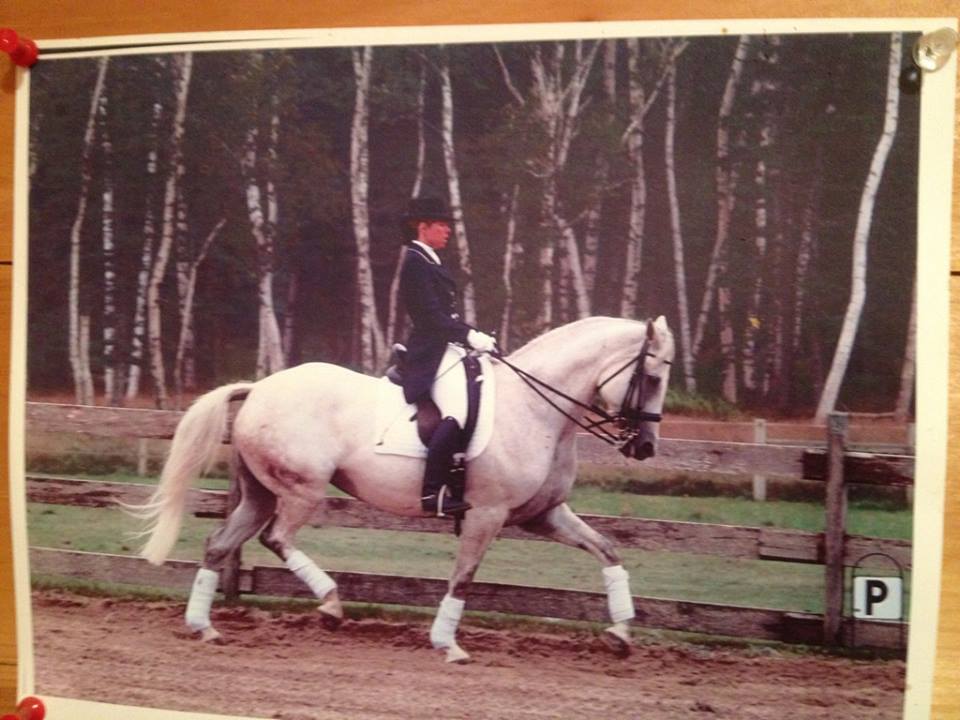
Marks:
<point>142,457</point>
<point>760,481</point>
<point>230,576</point>
<point>836,523</point>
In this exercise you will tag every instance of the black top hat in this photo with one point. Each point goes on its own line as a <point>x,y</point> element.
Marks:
<point>427,208</point>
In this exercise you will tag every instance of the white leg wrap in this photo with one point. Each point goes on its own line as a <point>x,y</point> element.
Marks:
<point>444,629</point>
<point>201,598</point>
<point>315,578</point>
<point>619,601</point>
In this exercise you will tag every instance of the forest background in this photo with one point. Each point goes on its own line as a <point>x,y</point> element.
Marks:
<point>197,218</point>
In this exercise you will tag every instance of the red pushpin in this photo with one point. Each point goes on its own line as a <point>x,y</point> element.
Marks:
<point>30,708</point>
<point>22,51</point>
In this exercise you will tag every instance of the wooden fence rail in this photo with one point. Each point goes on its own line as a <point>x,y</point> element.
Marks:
<point>698,617</point>
<point>733,541</point>
<point>834,464</point>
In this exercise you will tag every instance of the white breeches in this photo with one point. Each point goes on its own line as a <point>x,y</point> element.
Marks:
<point>450,387</point>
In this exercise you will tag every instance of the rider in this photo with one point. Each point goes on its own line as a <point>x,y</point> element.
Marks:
<point>429,293</point>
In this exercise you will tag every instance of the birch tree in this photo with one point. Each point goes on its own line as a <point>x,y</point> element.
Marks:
<point>726,180</point>
<point>858,280</point>
<point>765,91</point>
<point>676,232</point>
<point>453,187</point>
<point>183,68</point>
<point>640,102</point>
<point>511,254</point>
<point>79,359</point>
<point>370,336</point>
<point>186,311</point>
<point>259,189</point>
<point>110,380</point>
<point>557,100</point>
<point>601,172</point>
<point>908,370</point>
<point>139,325</point>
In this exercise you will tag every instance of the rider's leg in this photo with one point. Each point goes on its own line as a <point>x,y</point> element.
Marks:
<point>436,497</point>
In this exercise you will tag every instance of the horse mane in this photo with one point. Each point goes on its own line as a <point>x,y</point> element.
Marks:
<point>575,328</point>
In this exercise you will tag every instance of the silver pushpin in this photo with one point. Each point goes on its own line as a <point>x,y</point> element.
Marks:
<point>932,51</point>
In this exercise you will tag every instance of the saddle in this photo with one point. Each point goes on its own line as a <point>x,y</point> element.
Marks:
<point>428,415</point>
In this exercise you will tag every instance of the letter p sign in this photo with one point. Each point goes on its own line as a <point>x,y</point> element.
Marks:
<point>878,598</point>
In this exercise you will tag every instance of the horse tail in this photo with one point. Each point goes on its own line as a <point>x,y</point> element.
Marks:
<point>193,452</point>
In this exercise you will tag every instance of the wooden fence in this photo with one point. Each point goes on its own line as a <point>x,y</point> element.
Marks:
<point>834,549</point>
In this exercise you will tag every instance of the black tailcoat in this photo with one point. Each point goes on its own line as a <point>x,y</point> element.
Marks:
<point>430,296</point>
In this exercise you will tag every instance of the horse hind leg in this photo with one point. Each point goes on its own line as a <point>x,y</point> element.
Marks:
<point>256,506</point>
<point>563,525</point>
<point>293,513</point>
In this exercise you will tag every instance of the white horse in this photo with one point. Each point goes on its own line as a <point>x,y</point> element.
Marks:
<point>306,427</point>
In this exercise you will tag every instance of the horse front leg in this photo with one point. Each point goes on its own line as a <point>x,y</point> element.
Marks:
<point>480,527</point>
<point>563,525</point>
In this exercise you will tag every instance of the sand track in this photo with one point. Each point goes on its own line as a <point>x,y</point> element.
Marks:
<point>286,666</point>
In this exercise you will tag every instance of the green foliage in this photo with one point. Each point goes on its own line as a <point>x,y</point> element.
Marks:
<point>684,402</point>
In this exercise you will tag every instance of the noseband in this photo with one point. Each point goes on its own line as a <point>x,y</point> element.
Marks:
<point>627,419</point>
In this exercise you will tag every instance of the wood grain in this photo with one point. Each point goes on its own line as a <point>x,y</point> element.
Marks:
<point>80,18</point>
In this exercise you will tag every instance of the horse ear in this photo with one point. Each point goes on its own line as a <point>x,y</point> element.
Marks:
<point>651,330</point>
<point>661,323</point>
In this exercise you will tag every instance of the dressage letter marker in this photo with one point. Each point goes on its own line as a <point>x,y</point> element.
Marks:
<point>878,598</point>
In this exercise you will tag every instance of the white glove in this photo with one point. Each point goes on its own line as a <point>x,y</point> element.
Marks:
<point>481,341</point>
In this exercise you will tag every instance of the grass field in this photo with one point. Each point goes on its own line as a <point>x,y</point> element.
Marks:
<point>703,578</point>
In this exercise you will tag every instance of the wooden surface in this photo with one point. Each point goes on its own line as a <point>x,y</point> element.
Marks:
<point>80,18</point>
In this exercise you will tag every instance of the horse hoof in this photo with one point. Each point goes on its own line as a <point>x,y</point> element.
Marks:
<point>456,654</point>
<point>617,639</point>
<point>331,614</point>
<point>210,635</point>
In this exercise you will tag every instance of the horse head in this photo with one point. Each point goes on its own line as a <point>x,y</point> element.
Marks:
<point>639,388</point>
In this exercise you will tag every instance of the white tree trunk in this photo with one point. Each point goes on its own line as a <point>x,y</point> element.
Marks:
<point>262,226</point>
<point>110,381</point>
<point>676,232</point>
<point>183,67</point>
<point>858,281</point>
<point>371,336</point>
<point>84,393</point>
<point>453,186</point>
<point>908,371</point>
<point>146,259</point>
<point>512,251</point>
<point>421,129</point>
<point>638,185</point>
<point>601,173</point>
<point>749,350</point>
<point>186,310</point>
<point>558,107</point>
<point>805,255</point>
<point>726,187</point>
<point>86,376</point>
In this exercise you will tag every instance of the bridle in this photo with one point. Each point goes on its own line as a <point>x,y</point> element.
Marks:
<point>627,419</point>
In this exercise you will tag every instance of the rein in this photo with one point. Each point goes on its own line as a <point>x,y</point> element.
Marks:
<point>626,418</point>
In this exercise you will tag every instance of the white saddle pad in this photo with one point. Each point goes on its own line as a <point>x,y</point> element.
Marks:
<point>396,427</point>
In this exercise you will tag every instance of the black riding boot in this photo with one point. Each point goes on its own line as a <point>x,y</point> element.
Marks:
<point>437,496</point>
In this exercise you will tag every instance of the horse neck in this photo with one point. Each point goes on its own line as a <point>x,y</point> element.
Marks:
<point>572,358</point>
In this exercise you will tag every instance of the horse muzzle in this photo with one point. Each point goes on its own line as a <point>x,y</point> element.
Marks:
<point>639,448</point>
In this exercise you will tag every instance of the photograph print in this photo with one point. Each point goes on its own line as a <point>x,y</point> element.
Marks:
<point>490,379</point>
